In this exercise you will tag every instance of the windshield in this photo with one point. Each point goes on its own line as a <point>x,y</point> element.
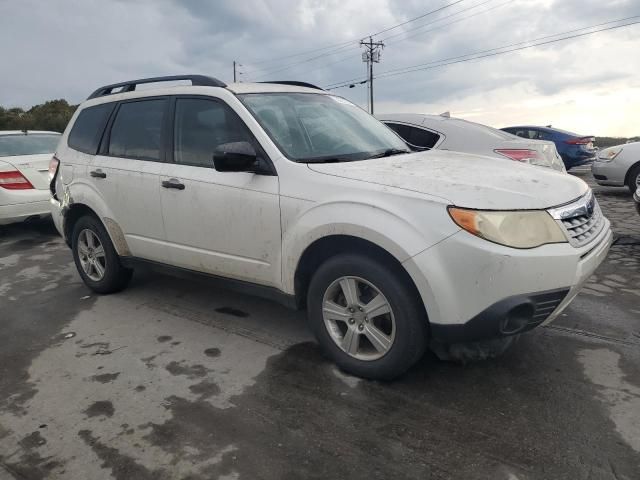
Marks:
<point>28,144</point>
<point>311,127</point>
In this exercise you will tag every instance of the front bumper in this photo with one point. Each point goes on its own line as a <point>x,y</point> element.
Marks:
<point>608,174</point>
<point>474,289</point>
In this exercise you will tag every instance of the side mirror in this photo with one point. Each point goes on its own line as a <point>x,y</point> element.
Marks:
<point>235,157</point>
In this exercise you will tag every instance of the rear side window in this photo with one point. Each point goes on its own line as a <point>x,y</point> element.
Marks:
<point>87,131</point>
<point>137,130</point>
<point>203,125</point>
<point>403,130</point>
<point>416,137</point>
<point>423,138</point>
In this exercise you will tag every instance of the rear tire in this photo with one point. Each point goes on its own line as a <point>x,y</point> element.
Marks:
<point>391,330</point>
<point>95,257</point>
<point>634,179</point>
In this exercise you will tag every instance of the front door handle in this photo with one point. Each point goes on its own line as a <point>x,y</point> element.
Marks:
<point>98,174</point>
<point>173,183</point>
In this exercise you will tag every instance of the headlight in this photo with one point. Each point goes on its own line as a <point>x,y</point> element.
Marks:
<point>609,154</point>
<point>517,229</point>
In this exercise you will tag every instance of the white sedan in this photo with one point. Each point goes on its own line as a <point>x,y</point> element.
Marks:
<point>618,166</point>
<point>24,174</point>
<point>441,132</point>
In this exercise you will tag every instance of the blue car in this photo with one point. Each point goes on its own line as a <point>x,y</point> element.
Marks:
<point>574,149</point>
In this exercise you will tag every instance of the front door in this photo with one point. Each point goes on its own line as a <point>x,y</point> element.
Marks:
<point>224,223</point>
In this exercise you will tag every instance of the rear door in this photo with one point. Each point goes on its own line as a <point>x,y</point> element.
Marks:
<point>126,172</point>
<point>224,223</point>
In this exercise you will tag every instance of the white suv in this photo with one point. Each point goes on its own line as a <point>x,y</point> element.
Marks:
<point>299,195</point>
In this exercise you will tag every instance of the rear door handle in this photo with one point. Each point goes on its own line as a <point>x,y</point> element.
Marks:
<point>98,174</point>
<point>173,183</point>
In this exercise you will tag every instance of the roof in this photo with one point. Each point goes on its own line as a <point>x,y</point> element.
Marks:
<point>29,132</point>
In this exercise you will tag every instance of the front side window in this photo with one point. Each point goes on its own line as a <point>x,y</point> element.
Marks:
<point>88,127</point>
<point>309,127</point>
<point>203,125</point>
<point>28,144</point>
<point>137,130</point>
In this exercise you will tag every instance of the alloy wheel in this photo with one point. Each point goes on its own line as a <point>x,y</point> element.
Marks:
<point>359,318</point>
<point>92,256</point>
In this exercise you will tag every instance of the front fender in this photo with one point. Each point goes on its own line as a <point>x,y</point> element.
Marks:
<point>398,234</point>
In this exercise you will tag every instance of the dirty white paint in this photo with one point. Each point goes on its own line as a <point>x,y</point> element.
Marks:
<point>141,349</point>
<point>601,366</point>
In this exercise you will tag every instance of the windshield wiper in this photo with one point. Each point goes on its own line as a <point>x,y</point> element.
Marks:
<point>325,160</point>
<point>389,152</point>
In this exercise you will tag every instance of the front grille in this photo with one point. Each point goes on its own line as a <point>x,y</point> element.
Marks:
<point>581,220</point>
<point>584,228</point>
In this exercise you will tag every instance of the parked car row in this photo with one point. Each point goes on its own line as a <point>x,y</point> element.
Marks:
<point>293,193</point>
<point>574,149</point>
<point>444,133</point>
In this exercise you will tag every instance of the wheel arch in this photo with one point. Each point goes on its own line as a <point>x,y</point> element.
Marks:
<point>331,245</point>
<point>75,211</point>
<point>627,176</point>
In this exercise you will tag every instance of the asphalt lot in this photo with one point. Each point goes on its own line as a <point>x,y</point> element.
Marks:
<point>175,379</point>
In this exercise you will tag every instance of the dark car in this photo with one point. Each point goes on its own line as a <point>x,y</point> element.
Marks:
<point>574,149</point>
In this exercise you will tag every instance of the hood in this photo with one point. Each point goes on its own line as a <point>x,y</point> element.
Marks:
<point>465,180</point>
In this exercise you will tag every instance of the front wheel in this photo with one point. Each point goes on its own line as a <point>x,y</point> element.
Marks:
<point>634,179</point>
<point>95,257</point>
<point>367,316</point>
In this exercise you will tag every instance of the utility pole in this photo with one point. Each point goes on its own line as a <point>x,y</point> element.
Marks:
<point>234,71</point>
<point>371,55</point>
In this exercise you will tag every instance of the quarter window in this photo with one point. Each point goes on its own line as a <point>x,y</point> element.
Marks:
<point>137,130</point>
<point>201,126</point>
<point>88,127</point>
<point>423,138</point>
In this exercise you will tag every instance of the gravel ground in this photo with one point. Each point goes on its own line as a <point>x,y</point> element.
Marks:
<point>175,379</point>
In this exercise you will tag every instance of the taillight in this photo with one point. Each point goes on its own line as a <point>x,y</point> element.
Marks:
<point>518,154</point>
<point>53,167</point>
<point>580,140</point>
<point>14,181</point>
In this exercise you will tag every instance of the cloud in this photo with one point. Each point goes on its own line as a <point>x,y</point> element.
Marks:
<point>65,49</point>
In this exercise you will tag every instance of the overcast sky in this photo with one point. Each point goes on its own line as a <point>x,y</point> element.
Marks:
<point>591,85</point>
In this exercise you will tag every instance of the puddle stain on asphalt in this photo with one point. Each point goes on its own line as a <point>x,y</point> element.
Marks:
<point>100,408</point>
<point>73,395</point>
<point>602,367</point>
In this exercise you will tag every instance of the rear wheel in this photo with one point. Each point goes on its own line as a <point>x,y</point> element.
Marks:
<point>366,316</point>
<point>95,257</point>
<point>634,179</point>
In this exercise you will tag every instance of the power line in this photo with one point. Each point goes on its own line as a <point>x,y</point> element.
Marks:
<point>350,56</point>
<point>488,53</point>
<point>339,46</point>
<point>431,29</point>
<point>399,34</point>
<point>417,18</point>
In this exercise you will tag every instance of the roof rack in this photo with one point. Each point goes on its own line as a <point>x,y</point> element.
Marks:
<point>130,86</point>
<point>294,83</point>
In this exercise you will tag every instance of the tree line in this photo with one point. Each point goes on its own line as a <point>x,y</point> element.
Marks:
<point>52,115</point>
<point>55,114</point>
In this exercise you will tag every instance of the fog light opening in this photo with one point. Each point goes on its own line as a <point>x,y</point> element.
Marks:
<point>517,319</point>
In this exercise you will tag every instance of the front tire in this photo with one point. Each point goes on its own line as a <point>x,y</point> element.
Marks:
<point>634,179</point>
<point>95,257</point>
<point>367,316</point>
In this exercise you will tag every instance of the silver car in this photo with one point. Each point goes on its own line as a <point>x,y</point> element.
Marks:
<point>618,166</point>
<point>445,133</point>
